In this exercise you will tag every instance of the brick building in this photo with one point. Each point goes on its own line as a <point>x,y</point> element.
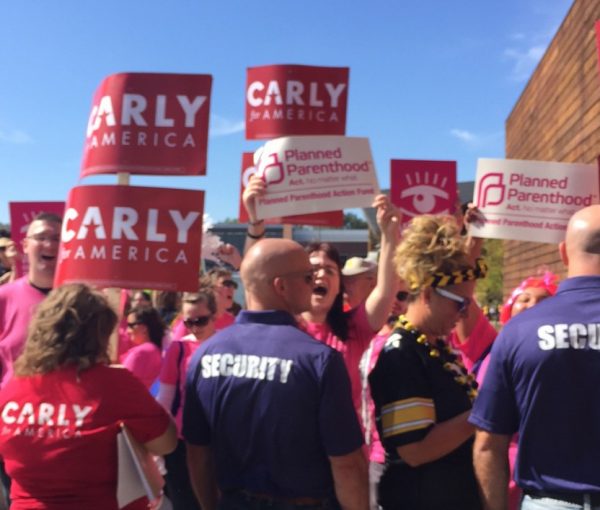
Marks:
<point>557,118</point>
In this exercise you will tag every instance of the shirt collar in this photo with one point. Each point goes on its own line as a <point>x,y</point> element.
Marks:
<point>579,282</point>
<point>278,317</point>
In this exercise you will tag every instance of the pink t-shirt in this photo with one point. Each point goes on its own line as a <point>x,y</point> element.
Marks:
<point>174,373</point>
<point>359,335</point>
<point>376,450</point>
<point>18,301</point>
<point>59,435</point>
<point>482,336</point>
<point>144,362</point>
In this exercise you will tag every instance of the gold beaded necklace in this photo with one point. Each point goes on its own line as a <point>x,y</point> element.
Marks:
<point>447,356</point>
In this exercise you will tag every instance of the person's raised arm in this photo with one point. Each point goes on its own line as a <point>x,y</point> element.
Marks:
<point>202,475</point>
<point>490,458</point>
<point>256,228</point>
<point>351,480</point>
<point>379,302</point>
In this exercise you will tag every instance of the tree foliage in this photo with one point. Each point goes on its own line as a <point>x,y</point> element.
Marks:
<point>489,289</point>
<point>351,220</point>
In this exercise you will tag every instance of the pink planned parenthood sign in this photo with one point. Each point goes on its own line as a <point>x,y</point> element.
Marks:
<point>531,200</point>
<point>311,174</point>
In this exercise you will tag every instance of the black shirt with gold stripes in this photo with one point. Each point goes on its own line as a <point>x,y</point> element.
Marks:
<point>412,392</point>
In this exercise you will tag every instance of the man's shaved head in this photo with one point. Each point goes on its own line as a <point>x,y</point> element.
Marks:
<point>582,242</point>
<point>265,261</point>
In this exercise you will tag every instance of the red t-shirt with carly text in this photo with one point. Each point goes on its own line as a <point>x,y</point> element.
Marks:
<point>58,435</point>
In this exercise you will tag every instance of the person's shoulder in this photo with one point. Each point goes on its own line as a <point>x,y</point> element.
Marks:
<point>11,288</point>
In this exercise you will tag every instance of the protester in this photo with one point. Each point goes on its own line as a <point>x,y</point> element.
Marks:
<point>8,260</point>
<point>199,310</point>
<point>349,332</point>
<point>269,404</point>
<point>19,299</point>
<point>168,305</point>
<point>421,390</point>
<point>141,299</point>
<point>376,453</point>
<point>359,277</point>
<point>539,364</point>
<point>146,330</point>
<point>224,290</point>
<point>62,411</point>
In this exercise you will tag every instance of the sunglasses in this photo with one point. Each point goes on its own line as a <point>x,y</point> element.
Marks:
<point>44,238</point>
<point>198,321</point>
<point>402,295</point>
<point>461,302</point>
<point>132,325</point>
<point>229,283</point>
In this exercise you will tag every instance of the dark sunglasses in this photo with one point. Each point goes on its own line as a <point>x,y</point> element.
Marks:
<point>198,321</point>
<point>229,283</point>
<point>402,295</point>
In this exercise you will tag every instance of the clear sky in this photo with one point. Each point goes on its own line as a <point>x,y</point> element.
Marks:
<point>429,79</point>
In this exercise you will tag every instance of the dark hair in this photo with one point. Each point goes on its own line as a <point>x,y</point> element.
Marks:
<point>70,327</point>
<point>150,318</point>
<point>205,294</point>
<point>336,318</point>
<point>48,216</point>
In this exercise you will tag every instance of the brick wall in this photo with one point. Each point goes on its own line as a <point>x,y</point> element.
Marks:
<point>557,118</point>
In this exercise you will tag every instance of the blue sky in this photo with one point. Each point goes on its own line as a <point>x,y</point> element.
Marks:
<point>428,79</point>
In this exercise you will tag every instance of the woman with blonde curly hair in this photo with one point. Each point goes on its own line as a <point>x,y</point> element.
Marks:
<point>421,390</point>
<point>62,410</point>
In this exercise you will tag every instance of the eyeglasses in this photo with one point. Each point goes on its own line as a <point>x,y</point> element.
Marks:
<point>402,295</point>
<point>44,238</point>
<point>131,325</point>
<point>307,276</point>
<point>462,302</point>
<point>229,283</point>
<point>197,321</point>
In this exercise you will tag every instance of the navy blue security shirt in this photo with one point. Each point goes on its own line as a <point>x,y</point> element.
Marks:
<point>273,404</point>
<point>543,381</point>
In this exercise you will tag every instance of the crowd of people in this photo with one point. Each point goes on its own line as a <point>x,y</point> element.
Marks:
<point>375,382</point>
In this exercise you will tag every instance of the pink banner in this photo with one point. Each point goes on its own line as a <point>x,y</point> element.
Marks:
<point>286,100</point>
<point>148,123</point>
<point>132,237</point>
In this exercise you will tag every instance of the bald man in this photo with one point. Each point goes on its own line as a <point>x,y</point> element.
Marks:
<point>543,382</point>
<point>268,414</point>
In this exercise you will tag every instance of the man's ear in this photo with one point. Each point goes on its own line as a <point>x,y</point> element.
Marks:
<point>279,285</point>
<point>562,250</point>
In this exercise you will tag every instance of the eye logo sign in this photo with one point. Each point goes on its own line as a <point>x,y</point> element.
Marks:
<point>491,190</point>
<point>423,187</point>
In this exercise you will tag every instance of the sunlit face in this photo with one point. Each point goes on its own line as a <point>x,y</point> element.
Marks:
<point>400,305</point>
<point>139,300</point>
<point>326,285</point>
<point>224,290</point>
<point>8,254</point>
<point>530,296</point>
<point>41,247</point>
<point>446,311</point>
<point>137,332</point>
<point>358,287</point>
<point>198,319</point>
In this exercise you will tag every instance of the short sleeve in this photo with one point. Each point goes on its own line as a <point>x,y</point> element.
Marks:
<point>495,408</point>
<point>338,423</point>
<point>404,404</point>
<point>169,372</point>
<point>196,429</point>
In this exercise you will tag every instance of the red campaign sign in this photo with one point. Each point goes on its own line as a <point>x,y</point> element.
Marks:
<point>132,237</point>
<point>325,219</point>
<point>423,187</point>
<point>286,100</point>
<point>148,123</point>
<point>21,215</point>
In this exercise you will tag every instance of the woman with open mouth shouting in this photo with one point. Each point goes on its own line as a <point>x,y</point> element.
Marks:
<point>349,332</point>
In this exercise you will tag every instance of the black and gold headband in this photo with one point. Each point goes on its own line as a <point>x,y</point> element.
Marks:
<point>444,279</point>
